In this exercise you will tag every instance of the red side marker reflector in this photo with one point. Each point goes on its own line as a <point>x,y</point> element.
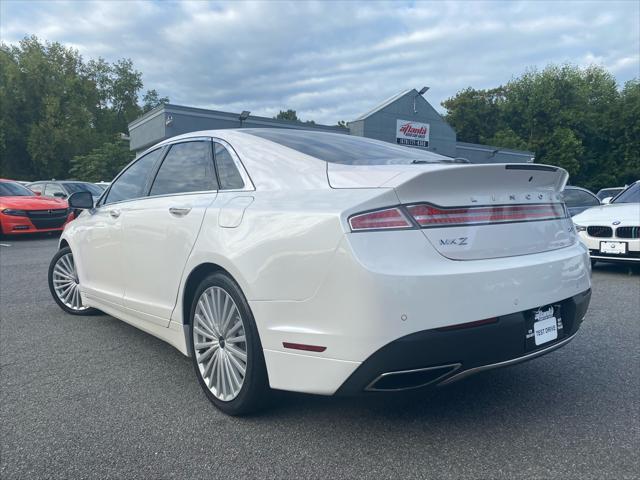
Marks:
<point>302,346</point>
<point>468,325</point>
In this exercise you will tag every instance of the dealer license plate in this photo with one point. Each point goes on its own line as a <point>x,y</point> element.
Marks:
<point>617,248</point>
<point>545,326</point>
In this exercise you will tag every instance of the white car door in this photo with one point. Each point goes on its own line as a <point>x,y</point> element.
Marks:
<point>161,229</point>
<point>99,235</point>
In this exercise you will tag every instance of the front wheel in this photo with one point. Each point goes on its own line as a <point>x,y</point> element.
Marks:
<point>227,354</point>
<point>64,284</point>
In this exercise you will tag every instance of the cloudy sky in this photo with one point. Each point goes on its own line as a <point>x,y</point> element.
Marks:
<point>332,61</point>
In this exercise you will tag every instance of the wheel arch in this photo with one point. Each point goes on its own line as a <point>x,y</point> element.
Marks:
<point>196,275</point>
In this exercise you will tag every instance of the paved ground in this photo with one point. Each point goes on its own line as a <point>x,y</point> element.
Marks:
<point>93,397</point>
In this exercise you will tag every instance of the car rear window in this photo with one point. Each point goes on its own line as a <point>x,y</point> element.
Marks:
<point>346,149</point>
<point>83,187</point>
<point>579,198</point>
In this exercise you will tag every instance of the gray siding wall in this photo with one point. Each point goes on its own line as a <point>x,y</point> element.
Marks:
<point>382,124</point>
<point>144,134</point>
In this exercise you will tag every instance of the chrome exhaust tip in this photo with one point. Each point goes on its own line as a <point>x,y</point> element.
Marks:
<point>410,379</point>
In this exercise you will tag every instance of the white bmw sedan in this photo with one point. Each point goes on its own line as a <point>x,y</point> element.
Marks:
<point>612,232</point>
<point>327,263</point>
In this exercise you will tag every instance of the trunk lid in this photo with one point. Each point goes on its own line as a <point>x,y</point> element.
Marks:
<point>478,211</point>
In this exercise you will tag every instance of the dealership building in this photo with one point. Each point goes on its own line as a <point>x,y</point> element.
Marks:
<point>406,119</point>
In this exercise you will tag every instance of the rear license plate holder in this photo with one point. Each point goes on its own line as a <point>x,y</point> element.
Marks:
<point>543,326</point>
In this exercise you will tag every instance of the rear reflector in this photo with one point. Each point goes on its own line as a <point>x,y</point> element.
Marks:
<point>430,216</point>
<point>302,346</point>
<point>389,218</point>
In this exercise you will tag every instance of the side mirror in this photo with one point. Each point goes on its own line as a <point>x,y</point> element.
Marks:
<point>607,200</point>
<point>38,194</point>
<point>81,200</point>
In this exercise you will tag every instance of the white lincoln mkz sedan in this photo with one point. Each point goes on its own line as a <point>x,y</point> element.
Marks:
<point>327,263</point>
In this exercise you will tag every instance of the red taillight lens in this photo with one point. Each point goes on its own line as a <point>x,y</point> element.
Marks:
<point>388,218</point>
<point>430,216</point>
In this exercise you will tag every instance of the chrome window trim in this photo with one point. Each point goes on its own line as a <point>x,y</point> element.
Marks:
<point>246,178</point>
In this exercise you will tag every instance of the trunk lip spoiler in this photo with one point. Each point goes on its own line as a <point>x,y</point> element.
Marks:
<point>543,168</point>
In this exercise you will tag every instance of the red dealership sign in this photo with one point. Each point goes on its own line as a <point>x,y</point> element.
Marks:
<point>412,133</point>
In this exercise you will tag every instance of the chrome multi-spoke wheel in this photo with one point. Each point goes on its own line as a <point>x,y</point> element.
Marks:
<point>65,283</point>
<point>220,344</point>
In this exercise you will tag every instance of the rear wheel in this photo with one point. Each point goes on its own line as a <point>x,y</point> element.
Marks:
<point>64,284</point>
<point>227,354</point>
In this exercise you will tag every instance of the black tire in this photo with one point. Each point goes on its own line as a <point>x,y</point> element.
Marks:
<point>87,311</point>
<point>254,393</point>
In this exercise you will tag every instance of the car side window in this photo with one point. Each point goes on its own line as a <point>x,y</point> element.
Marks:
<point>54,190</point>
<point>228,174</point>
<point>131,183</point>
<point>188,167</point>
<point>38,187</point>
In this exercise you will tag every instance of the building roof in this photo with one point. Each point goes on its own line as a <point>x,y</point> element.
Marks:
<point>203,112</point>
<point>385,104</point>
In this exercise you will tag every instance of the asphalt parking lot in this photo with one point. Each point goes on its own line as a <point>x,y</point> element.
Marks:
<point>93,397</point>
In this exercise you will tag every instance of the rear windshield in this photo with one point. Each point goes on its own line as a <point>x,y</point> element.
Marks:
<point>630,195</point>
<point>346,149</point>
<point>13,189</point>
<point>83,187</point>
<point>608,192</point>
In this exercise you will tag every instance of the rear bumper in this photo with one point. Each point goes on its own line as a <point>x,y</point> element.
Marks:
<point>374,295</point>
<point>440,357</point>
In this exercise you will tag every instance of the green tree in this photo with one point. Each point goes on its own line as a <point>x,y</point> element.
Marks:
<point>102,163</point>
<point>475,113</point>
<point>151,100</point>
<point>289,114</point>
<point>54,106</point>
<point>568,116</point>
<point>628,133</point>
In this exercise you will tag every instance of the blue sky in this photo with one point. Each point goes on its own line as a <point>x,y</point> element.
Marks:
<point>332,61</point>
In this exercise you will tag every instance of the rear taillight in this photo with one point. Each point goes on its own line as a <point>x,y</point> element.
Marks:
<point>430,216</point>
<point>389,218</point>
<point>426,216</point>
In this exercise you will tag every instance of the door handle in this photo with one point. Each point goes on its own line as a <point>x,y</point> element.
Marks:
<point>179,212</point>
<point>114,213</point>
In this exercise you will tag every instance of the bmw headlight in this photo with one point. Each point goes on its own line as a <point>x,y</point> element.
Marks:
<point>579,228</point>
<point>15,213</point>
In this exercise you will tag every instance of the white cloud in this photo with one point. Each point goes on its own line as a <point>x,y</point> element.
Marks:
<point>331,60</point>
